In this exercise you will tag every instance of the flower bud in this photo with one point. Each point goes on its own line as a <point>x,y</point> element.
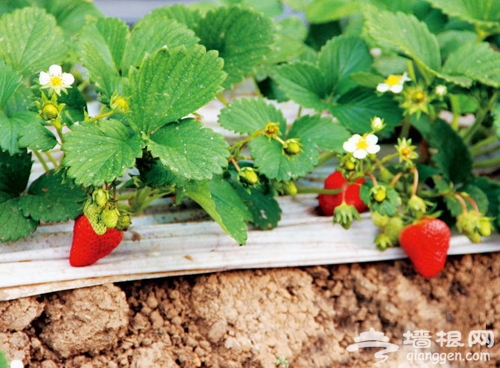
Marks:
<point>49,111</point>
<point>248,176</point>
<point>417,205</point>
<point>379,193</point>
<point>272,130</point>
<point>292,146</point>
<point>119,103</point>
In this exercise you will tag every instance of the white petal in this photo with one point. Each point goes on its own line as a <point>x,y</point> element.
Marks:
<point>373,149</point>
<point>68,79</point>
<point>405,78</point>
<point>397,88</point>
<point>55,70</point>
<point>359,154</point>
<point>371,139</point>
<point>382,87</point>
<point>44,78</point>
<point>349,146</point>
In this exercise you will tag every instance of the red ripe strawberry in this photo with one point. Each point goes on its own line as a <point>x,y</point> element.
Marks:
<point>88,247</point>
<point>336,180</point>
<point>426,243</point>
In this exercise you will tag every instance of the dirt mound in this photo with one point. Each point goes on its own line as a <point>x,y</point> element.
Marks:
<point>296,317</point>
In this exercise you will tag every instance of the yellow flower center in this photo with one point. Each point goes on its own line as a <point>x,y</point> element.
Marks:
<point>362,144</point>
<point>56,81</point>
<point>406,152</point>
<point>418,97</point>
<point>393,80</point>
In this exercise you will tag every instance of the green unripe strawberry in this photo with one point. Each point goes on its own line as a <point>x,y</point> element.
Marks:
<point>417,205</point>
<point>49,111</point>
<point>393,228</point>
<point>379,193</point>
<point>248,175</point>
<point>124,221</point>
<point>290,188</point>
<point>292,146</point>
<point>92,211</point>
<point>485,227</point>
<point>379,219</point>
<point>101,197</point>
<point>109,217</point>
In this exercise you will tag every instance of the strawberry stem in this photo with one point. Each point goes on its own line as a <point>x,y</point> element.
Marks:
<point>462,202</point>
<point>42,161</point>
<point>415,182</point>
<point>312,190</point>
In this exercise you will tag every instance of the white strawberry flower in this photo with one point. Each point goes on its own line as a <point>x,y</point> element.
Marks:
<point>55,79</point>
<point>393,83</point>
<point>362,145</point>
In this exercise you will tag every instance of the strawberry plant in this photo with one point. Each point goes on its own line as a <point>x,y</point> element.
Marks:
<point>419,78</point>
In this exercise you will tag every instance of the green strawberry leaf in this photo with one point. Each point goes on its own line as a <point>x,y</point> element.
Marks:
<point>181,13</point>
<point>406,34</point>
<point>483,13</point>
<point>220,200</point>
<point>99,153</point>
<point>289,41</point>
<point>265,210</point>
<point>36,43</point>
<point>341,57</point>
<point>71,15</point>
<point>304,83</point>
<point>322,131</point>
<point>33,134</point>
<point>388,207</point>
<point>317,85</point>
<point>152,33</point>
<point>330,10</point>
<point>357,108</point>
<point>474,62</point>
<point>171,84</point>
<point>449,152</point>
<point>275,164</point>
<point>22,130</point>
<point>10,81</point>
<point>190,150</point>
<point>13,224</point>
<point>14,173</point>
<point>101,47</point>
<point>242,37</point>
<point>271,8</point>
<point>248,115</point>
<point>52,198</point>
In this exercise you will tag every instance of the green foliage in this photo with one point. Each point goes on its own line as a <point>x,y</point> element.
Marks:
<point>99,153</point>
<point>482,13</point>
<point>223,204</point>
<point>190,150</point>
<point>157,96</point>
<point>36,44</point>
<point>14,174</point>
<point>450,155</point>
<point>376,68</point>
<point>328,85</point>
<point>52,198</point>
<point>242,37</point>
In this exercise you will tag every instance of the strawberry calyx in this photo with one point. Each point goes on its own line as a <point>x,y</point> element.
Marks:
<point>345,214</point>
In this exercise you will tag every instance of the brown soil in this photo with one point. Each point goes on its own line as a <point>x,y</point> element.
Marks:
<point>303,317</point>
